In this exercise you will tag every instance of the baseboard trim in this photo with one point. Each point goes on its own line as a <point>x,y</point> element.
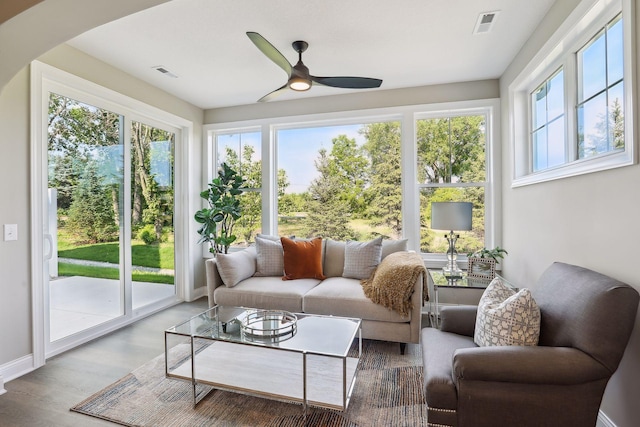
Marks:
<point>14,369</point>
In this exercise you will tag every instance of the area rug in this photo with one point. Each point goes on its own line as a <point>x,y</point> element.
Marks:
<point>388,392</point>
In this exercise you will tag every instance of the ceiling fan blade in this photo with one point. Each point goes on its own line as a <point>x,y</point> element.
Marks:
<point>270,52</point>
<point>271,95</point>
<point>348,82</point>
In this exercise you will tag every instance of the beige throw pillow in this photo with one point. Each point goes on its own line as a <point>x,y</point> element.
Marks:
<point>391,246</point>
<point>507,317</point>
<point>236,266</point>
<point>361,258</point>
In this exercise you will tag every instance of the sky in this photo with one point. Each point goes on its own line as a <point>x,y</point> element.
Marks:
<point>297,149</point>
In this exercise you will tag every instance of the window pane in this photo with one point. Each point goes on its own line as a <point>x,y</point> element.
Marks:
<point>340,182</point>
<point>616,116</point>
<point>555,96</point>
<point>242,152</point>
<point>451,149</point>
<point>556,143</point>
<point>540,107</point>
<point>547,137</point>
<point>433,240</point>
<point>593,67</point>
<point>540,149</point>
<point>615,52</point>
<point>592,127</point>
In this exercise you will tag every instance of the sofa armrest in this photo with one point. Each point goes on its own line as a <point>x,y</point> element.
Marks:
<point>459,319</point>
<point>527,365</point>
<point>213,279</point>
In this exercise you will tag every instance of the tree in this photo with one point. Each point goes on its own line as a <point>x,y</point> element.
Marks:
<point>152,203</point>
<point>74,131</point>
<point>451,150</point>
<point>451,147</point>
<point>250,200</point>
<point>326,215</point>
<point>384,194</point>
<point>348,165</point>
<point>91,213</point>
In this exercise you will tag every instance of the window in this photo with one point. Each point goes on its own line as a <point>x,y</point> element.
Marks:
<point>452,168</point>
<point>340,182</point>
<point>569,107</point>
<point>241,150</point>
<point>548,135</point>
<point>601,92</point>
<point>359,175</point>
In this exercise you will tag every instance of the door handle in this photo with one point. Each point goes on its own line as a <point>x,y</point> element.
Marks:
<point>49,239</point>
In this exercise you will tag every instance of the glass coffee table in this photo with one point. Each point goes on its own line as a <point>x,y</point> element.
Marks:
<point>294,357</point>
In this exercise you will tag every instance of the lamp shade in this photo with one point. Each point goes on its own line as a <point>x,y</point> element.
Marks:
<point>451,215</point>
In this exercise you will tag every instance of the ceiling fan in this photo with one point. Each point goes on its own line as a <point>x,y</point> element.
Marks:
<point>298,77</point>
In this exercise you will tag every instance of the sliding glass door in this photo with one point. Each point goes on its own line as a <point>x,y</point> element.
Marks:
<point>110,218</point>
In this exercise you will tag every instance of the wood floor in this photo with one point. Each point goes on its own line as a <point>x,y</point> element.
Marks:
<point>43,397</point>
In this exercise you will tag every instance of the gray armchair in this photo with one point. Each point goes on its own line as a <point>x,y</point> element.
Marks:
<point>586,321</point>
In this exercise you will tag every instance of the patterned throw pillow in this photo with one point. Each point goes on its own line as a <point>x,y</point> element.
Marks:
<point>270,259</point>
<point>361,258</point>
<point>507,317</point>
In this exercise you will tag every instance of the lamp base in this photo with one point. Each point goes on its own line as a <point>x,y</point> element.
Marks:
<point>451,268</point>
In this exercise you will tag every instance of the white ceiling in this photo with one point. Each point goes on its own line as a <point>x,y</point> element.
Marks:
<point>406,43</point>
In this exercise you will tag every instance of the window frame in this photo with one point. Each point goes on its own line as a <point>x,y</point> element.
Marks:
<point>407,116</point>
<point>560,52</point>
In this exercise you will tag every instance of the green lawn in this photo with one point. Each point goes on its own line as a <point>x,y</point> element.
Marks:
<point>156,255</point>
<point>111,273</point>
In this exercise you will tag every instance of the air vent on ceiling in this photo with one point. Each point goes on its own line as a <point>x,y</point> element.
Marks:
<point>164,71</point>
<point>485,22</point>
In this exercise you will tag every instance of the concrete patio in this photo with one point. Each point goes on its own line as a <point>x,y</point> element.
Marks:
<point>78,303</point>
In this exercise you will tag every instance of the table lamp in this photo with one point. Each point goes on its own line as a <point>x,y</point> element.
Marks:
<point>451,216</point>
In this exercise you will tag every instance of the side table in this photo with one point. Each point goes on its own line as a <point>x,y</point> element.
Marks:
<point>437,279</point>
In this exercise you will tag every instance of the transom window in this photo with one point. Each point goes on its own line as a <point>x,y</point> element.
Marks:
<point>548,136</point>
<point>569,108</point>
<point>601,92</point>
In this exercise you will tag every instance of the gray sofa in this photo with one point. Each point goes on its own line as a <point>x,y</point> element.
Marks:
<point>335,295</point>
<point>586,319</point>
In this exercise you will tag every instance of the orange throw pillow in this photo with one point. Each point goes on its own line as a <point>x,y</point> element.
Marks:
<point>302,259</point>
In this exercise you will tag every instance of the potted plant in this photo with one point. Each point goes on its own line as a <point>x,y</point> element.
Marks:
<point>482,263</point>
<point>223,210</point>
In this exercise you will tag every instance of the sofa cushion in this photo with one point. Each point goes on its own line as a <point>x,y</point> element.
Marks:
<point>266,292</point>
<point>236,266</point>
<point>340,296</point>
<point>302,259</point>
<point>507,317</point>
<point>270,258</point>
<point>361,258</point>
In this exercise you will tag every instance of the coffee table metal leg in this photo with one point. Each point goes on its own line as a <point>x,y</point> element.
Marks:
<point>193,372</point>
<point>304,385</point>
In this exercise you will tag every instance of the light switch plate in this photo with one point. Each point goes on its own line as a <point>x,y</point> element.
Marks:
<point>10,232</point>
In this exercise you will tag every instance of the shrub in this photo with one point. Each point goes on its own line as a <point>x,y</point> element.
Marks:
<point>147,234</point>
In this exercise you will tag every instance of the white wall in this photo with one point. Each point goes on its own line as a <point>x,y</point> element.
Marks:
<point>590,220</point>
<point>15,285</point>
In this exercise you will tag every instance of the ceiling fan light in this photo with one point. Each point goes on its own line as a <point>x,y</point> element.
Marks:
<point>299,84</point>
